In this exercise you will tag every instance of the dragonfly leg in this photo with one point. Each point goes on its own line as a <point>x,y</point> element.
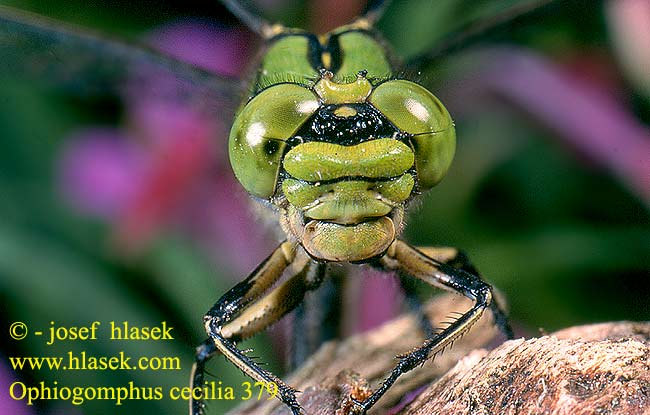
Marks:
<point>316,319</point>
<point>459,260</point>
<point>248,308</point>
<point>204,352</point>
<point>409,261</point>
<point>441,254</point>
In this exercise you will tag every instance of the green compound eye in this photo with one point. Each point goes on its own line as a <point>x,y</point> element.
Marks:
<point>259,133</point>
<point>414,110</point>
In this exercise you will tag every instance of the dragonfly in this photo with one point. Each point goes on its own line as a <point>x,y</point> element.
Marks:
<point>331,138</point>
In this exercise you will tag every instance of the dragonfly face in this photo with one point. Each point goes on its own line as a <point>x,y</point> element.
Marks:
<point>337,145</point>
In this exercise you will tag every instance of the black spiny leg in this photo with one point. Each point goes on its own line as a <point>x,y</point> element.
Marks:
<point>250,307</point>
<point>446,255</point>
<point>409,261</point>
<point>316,319</point>
<point>459,260</point>
<point>204,352</point>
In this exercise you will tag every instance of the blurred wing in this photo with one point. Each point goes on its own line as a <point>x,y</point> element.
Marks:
<point>480,21</point>
<point>39,49</point>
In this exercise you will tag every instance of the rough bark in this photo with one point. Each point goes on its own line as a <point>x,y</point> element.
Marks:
<point>594,369</point>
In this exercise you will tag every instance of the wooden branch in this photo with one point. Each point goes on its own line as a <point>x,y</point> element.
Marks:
<point>596,369</point>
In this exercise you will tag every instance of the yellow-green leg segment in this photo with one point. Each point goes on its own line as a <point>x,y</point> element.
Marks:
<point>250,307</point>
<point>459,260</point>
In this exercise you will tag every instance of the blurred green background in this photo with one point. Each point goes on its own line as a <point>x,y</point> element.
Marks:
<point>562,236</point>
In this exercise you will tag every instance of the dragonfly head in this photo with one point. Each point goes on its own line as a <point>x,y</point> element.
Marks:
<point>341,160</point>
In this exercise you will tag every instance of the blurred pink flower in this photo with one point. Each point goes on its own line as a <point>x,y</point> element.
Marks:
<point>380,299</point>
<point>9,406</point>
<point>629,23</point>
<point>326,15</point>
<point>101,157</point>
